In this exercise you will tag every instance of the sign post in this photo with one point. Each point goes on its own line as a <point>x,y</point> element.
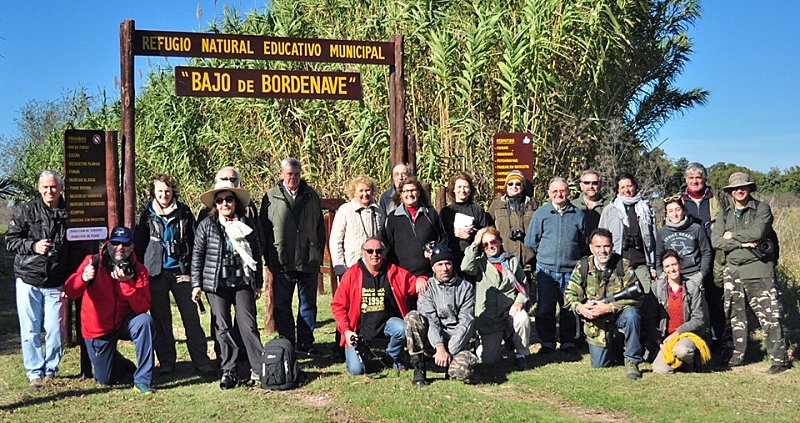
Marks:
<point>512,151</point>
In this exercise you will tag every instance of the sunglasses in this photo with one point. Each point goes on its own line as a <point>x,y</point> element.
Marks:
<point>490,243</point>
<point>231,179</point>
<point>229,199</point>
<point>590,182</point>
<point>118,243</point>
<point>378,251</point>
<point>674,198</point>
<point>514,184</point>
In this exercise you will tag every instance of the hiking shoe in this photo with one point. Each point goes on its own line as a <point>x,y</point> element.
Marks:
<point>775,369</point>
<point>49,378</point>
<point>228,380</point>
<point>632,370</point>
<point>521,364</point>
<point>308,351</point>
<point>142,388</point>
<point>35,384</point>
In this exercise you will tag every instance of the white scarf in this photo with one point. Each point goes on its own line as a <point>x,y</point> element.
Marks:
<point>642,211</point>
<point>237,232</point>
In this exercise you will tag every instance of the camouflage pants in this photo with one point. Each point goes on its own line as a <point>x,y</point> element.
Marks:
<point>462,364</point>
<point>762,295</point>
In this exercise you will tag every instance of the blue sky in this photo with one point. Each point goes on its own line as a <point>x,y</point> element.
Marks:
<point>746,53</point>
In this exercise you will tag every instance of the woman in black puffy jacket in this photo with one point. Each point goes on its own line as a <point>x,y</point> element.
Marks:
<point>226,265</point>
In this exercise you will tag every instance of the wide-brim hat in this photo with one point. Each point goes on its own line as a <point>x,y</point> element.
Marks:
<point>737,180</point>
<point>242,195</point>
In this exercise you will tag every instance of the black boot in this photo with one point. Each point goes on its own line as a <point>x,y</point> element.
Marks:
<point>419,371</point>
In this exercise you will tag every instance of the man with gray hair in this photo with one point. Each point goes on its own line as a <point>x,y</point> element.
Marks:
<point>399,174</point>
<point>291,215</point>
<point>37,234</point>
<point>557,236</point>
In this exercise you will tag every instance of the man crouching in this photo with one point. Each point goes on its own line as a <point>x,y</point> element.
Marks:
<point>116,297</point>
<point>442,325</point>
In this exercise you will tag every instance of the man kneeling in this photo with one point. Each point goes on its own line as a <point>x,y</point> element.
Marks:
<point>116,296</point>
<point>442,325</point>
<point>605,275</point>
<point>371,303</point>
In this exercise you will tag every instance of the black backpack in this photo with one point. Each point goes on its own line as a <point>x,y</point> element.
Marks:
<point>279,368</point>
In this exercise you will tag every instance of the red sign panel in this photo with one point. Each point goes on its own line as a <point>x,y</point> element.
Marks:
<point>215,82</point>
<point>512,152</point>
<point>230,46</point>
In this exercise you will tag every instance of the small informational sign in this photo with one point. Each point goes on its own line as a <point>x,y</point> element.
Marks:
<point>219,82</point>
<point>512,151</point>
<point>85,185</point>
<point>232,46</point>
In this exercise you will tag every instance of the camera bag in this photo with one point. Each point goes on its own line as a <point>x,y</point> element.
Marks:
<point>279,368</point>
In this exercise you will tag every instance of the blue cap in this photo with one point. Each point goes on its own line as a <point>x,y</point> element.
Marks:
<point>121,234</point>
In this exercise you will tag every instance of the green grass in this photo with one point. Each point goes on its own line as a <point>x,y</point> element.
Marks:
<point>555,390</point>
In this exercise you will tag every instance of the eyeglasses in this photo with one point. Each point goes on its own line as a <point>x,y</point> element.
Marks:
<point>378,251</point>
<point>490,243</point>
<point>118,243</point>
<point>229,199</point>
<point>409,191</point>
<point>514,184</point>
<point>231,179</point>
<point>590,182</point>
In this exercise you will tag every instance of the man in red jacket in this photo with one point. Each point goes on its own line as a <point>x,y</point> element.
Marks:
<point>116,297</point>
<point>371,303</point>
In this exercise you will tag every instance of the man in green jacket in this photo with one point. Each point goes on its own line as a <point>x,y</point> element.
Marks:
<point>294,232</point>
<point>741,231</point>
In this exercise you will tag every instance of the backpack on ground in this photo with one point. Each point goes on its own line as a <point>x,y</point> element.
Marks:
<point>279,368</point>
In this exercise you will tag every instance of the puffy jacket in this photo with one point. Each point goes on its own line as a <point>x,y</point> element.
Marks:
<point>106,301</point>
<point>148,237</point>
<point>32,222</point>
<point>346,303</point>
<point>207,254</point>
<point>505,221</point>
<point>295,236</point>
<point>352,226</point>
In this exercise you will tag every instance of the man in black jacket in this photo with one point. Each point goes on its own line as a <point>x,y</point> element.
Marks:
<point>37,233</point>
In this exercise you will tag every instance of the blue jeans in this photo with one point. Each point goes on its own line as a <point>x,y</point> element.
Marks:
<point>550,287</point>
<point>283,284</point>
<point>628,321</point>
<point>137,328</point>
<point>395,330</point>
<point>40,309</point>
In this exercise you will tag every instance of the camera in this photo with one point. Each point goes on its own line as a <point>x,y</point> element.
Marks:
<point>231,266</point>
<point>632,242</point>
<point>764,250</point>
<point>428,248</point>
<point>173,249</point>
<point>52,252</point>
<point>126,267</point>
<point>517,235</point>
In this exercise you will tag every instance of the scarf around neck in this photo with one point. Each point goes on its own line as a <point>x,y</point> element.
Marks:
<point>164,211</point>
<point>642,211</point>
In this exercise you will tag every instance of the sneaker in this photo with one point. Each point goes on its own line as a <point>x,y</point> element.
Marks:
<point>35,384</point>
<point>142,388</point>
<point>632,370</point>
<point>775,369</point>
<point>255,377</point>
<point>308,351</point>
<point>521,364</point>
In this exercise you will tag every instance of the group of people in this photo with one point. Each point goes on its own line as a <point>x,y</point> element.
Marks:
<point>453,286</point>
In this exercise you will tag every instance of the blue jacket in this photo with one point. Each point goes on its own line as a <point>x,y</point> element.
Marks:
<point>558,240</point>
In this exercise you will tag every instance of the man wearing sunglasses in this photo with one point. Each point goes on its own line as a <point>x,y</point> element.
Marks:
<point>370,303</point>
<point>115,293</point>
<point>443,322</point>
<point>591,201</point>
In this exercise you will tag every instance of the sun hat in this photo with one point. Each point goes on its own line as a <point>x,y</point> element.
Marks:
<point>242,195</point>
<point>739,179</point>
